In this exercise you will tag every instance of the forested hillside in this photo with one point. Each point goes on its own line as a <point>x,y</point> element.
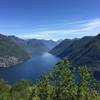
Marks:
<point>10,53</point>
<point>84,51</point>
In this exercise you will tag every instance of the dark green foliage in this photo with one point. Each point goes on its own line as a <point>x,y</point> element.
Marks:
<point>59,84</point>
<point>21,90</point>
<point>4,90</point>
<point>61,76</point>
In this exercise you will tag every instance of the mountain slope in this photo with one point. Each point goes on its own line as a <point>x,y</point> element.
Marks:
<point>90,54</point>
<point>36,46</point>
<point>61,47</point>
<point>50,43</point>
<point>10,53</point>
<point>33,46</point>
<point>84,51</point>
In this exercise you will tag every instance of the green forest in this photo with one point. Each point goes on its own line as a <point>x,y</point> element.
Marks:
<point>59,84</point>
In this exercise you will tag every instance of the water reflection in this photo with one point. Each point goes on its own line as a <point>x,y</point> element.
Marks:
<point>31,69</point>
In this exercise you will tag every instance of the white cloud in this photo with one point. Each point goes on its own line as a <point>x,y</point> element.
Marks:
<point>70,30</point>
<point>93,24</point>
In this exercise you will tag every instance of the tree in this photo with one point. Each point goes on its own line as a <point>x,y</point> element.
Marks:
<point>4,90</point>
<point>86,90</point>
<point>21,90</point>
<point>63,81</point>
<point>42,90</point>
<point>61,84</point>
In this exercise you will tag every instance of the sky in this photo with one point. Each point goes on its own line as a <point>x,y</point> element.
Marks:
<point>50,19</point>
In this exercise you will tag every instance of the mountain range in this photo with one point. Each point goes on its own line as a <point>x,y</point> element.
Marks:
<point>14,50</point>
<point>84,51</point>
<point>80,52</point>
<point>33,46</point>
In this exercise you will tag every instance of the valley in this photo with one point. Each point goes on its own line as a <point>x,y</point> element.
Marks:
<point>14,50</point>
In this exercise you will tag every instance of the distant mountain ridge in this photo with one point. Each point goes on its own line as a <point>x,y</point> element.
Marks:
<point>84,51</point>
<point>33,46</point>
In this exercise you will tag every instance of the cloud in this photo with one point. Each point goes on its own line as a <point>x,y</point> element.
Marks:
<point>93,24</point>
<point>58,31</point>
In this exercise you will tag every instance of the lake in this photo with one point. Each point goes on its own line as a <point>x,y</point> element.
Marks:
<point>31,69</point>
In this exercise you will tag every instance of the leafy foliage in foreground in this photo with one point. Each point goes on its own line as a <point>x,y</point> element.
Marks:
<point>60,84</point>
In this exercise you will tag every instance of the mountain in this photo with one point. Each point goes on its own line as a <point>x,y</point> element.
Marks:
<point>50,43</point>
<point>84,51</point>
<point>36,46</point>
<point>33,46</point>
<point>10,53</point>
<point>14,50</point>
<point>57,50</point>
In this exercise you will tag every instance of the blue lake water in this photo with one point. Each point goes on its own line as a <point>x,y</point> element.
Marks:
<point>97,75</point>
<point>31,69</point>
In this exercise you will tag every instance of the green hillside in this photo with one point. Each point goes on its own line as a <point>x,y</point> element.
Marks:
<point>84,51</point>
<point>10,52</point>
